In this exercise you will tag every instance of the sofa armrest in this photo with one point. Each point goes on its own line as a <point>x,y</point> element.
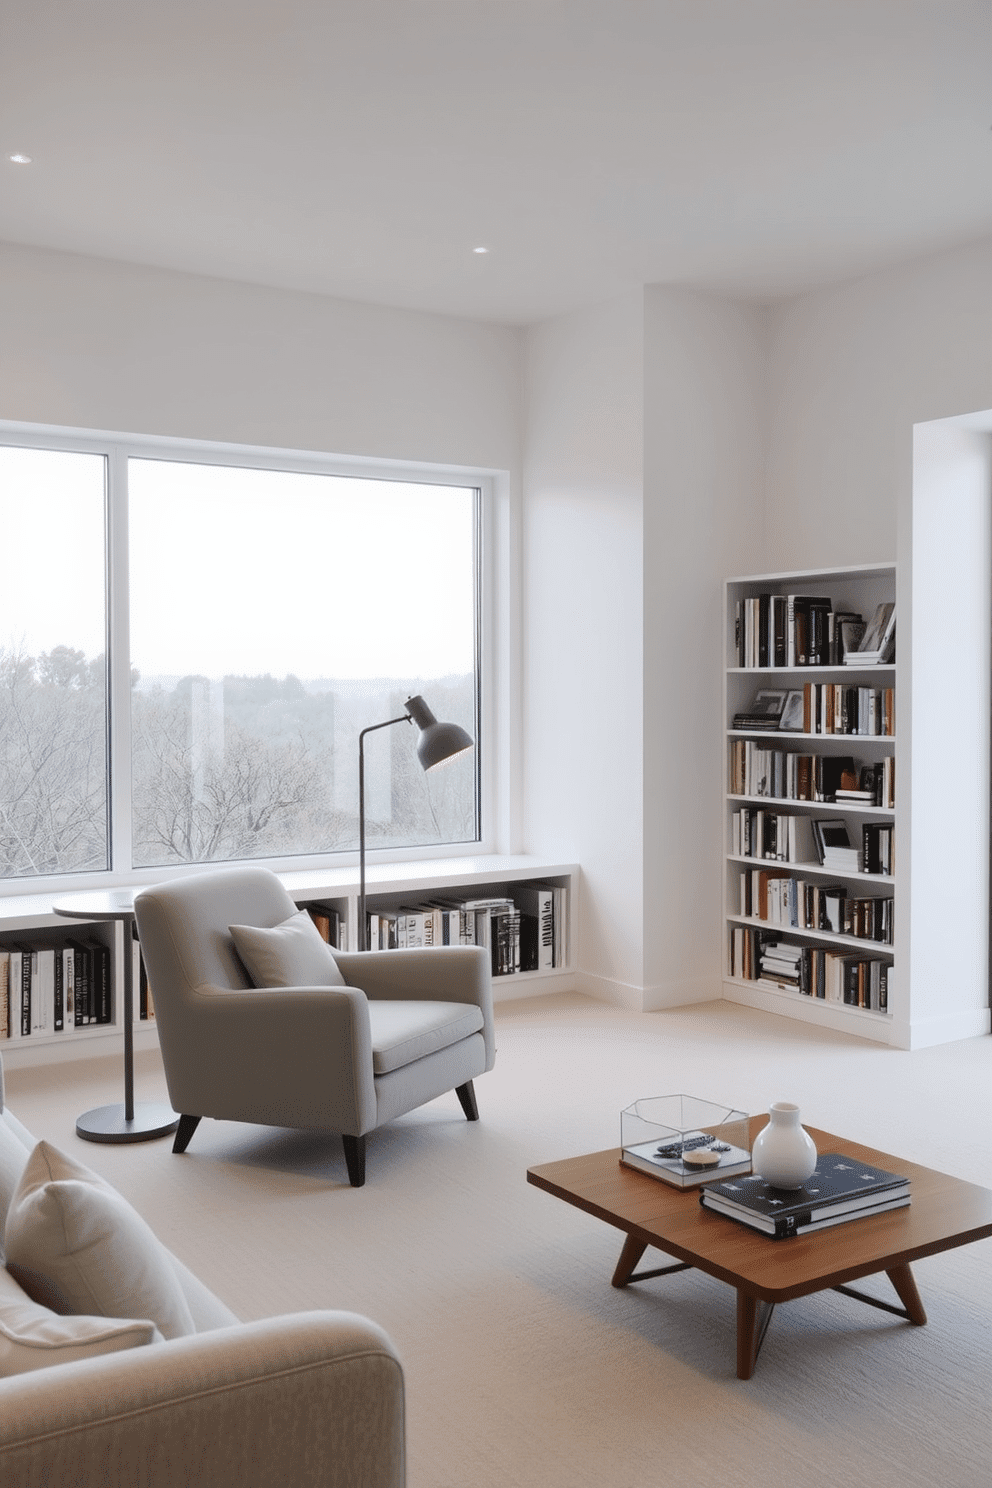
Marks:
<point>310,1399</point>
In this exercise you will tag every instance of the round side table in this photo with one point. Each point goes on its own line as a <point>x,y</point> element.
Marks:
<point>127,1122</point>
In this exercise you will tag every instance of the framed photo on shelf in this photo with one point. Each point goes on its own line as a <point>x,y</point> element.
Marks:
<point>765,710</point>
<point>768,703</point>
<point>791,720</point>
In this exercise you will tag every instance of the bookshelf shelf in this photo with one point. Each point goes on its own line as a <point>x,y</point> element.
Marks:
<point>787,803</point>
<point>852,943</point>
<point>30,919</point>
<point>784,737</point>
<point>810,971</point>
<point>804,870</point>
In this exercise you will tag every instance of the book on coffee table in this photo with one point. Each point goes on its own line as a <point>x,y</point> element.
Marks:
<point>840,1189</point>
<point>674,1159</point>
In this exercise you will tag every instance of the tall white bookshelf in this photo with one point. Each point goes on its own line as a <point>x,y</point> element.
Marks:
<point>836,921</point>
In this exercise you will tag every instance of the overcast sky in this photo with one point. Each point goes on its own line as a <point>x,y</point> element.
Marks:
<point>243,571</point>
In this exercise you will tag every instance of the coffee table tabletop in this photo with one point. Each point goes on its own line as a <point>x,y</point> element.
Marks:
<point>944,1212</point>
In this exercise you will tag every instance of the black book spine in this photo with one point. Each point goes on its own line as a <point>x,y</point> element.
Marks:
<point>780,635</point>
<point>26,993</point>
<point>764,604</point>
<point>102,956</point>
<point>58,1017</point>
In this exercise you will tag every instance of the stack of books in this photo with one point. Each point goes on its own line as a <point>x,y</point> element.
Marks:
<point>840,1189</point>
<point>834,848</point>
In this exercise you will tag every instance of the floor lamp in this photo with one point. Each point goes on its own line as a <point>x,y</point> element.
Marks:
<point>438,742</point>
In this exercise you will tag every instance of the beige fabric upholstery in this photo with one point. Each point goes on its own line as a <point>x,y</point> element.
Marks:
<point>314,1400</point>
<point>291,955</point>
<point>309,1401</point>
<point>319,1057</point>
<point>34,1337</point>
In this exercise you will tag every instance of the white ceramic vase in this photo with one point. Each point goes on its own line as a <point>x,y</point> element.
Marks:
<point>783,1154</point>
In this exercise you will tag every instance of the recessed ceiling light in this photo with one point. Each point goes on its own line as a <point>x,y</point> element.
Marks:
<point>480,250</point>
<point>19,159</point>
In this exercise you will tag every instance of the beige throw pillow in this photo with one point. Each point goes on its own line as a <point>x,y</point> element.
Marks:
<point>32,1337</point>
<point>76,1246</point>
<point>289,955</point>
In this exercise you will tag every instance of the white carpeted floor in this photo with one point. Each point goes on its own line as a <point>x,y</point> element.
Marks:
<point>523,1365</point>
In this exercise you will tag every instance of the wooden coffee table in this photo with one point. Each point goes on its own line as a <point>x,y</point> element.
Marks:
<point>944,1213</point>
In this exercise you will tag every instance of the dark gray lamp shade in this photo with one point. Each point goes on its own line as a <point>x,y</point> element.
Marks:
<point>438,741</point>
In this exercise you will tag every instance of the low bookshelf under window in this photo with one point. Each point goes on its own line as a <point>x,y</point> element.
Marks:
<point>61,983</point>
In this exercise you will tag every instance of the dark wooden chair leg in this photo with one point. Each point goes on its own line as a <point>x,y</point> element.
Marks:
<point>187,1126</point>
<point>466,1094</point>
<point>354,1156</point>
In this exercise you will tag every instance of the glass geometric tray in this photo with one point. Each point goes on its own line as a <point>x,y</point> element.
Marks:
<point>677,1137</point>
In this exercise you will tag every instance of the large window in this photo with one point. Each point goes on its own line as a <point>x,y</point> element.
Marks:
<point>262,617</point>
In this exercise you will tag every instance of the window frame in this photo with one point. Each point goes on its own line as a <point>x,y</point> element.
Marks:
<point>117,449</point>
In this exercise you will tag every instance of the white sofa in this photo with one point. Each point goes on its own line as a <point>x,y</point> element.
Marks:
<point>99,1395</point>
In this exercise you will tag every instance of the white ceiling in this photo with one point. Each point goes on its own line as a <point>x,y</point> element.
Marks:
<point>364,148</point>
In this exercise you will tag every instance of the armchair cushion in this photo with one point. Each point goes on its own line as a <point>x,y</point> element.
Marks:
<point>76,1246</point>
<point>405,1031</point>
<point>289,955</point>
<point>32,1337</point>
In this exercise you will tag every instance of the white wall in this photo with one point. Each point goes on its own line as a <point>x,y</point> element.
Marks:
<point>852,370</point>
<point>642,487</point>
<point>92,344</point>
<point>583,623</point>
<point>703,489</point>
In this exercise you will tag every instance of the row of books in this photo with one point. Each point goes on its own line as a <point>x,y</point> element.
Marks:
<point>525,929</point>
<point>331,923</point>
<point>55,987</point>
<point>820,708</point>
<point>840,1190</point>
<point>832,708</point>
<point>775,895</point>
<point>784,837</point>
<point>832,976</point>
<point>790,630</point>
<point>48,989</point>
<point>829,778</point>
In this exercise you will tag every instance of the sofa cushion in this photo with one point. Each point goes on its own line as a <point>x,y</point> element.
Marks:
<point>15,1148</point>
<point>32,1337</point>
<point>76,1246</point>
<point>289,955</point>
<point>405,1031</point>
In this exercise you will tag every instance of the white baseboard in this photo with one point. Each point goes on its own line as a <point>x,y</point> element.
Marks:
<point>949,1028</point>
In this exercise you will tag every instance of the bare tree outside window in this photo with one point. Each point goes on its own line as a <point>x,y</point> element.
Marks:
<point>53,675</point>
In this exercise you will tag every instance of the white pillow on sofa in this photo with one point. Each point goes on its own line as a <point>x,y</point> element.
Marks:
<point>14,1155</point>
<point>76,1246</point>
<point>32,1337</point>
<point>289,955</point>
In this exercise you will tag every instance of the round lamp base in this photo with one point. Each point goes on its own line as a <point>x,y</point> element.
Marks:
<point>109,1123</point>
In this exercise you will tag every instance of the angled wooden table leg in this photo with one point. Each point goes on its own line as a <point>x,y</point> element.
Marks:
<point>904,1282</point>
<point>753,1317</point>
<point>632,1251</point>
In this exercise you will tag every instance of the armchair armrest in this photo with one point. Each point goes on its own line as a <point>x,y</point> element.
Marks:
<point>311,1399</point>
<point>286,1056</point>
<point>431,973</point>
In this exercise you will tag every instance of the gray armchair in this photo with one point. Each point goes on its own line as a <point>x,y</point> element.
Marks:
<point>399,1029</point>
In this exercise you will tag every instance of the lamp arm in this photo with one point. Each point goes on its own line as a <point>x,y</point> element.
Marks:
<point>362,926</point>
